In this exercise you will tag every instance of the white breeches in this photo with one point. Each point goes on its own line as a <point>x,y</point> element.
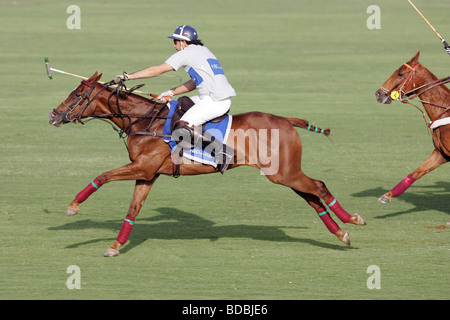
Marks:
<point>205,109</point>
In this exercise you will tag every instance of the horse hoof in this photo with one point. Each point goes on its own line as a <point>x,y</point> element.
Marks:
<point>346,239</point>
<point>343,236</point>
<point>358,220</point>
<point>71,211</point>
<point>111,252</point>
<point>384,199</point>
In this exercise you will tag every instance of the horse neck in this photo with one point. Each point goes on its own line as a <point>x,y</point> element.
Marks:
<point>131,109</point>
<point>436,99</point>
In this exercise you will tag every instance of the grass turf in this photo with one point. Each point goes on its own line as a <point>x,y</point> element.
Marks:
<point>235,236</point>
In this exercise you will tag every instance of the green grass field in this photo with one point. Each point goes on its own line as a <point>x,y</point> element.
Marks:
<point>235,236</point>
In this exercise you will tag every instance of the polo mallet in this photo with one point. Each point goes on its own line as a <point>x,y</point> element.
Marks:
<point>446,46</point>
<point>50,76</point>
<point>50,69</point>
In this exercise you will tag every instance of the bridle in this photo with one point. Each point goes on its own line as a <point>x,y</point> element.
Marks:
<point>415,92</point>
<point>409,78</point>
<point>120,91</point>
<point>68,115</point>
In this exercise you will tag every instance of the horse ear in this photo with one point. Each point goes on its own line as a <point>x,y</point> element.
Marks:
<point>414,59</point>
<point>95,77</point>
<point>98,77</point>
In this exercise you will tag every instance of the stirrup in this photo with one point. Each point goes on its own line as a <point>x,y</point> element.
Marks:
<point>223,153</point>
<point>227,160</point>
<point>176,159</point>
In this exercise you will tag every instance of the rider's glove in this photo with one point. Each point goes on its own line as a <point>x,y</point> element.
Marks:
<point>121,77</point>
<point>168,93</point>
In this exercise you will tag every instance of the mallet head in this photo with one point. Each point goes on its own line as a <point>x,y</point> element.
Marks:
<point>49,70</point>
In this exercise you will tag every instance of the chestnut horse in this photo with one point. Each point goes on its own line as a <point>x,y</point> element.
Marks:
<point>408,82</point>
<point>143,119</point>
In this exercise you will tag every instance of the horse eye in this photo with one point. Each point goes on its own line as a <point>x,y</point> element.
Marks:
<point>400,74</point>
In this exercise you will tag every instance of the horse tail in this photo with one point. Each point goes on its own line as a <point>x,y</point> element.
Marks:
<point>300,123</point>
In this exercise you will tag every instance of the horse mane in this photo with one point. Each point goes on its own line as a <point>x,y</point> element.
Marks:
<point>123,93</point>
<point>131,108</point>
<point>430,77</point>
<point>140,105</point>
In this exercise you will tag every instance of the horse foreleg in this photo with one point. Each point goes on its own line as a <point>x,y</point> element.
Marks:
<point>435,160</point>
<point>74,206</point>
<point>132,171</point>
<point>141,191</point>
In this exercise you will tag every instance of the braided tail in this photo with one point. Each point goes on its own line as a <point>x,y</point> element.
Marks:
<point>300,123</point>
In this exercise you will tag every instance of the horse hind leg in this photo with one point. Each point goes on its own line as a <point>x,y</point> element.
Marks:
<point>318,188</point>
<point>287,172</point>
<point>313,191</point>
<point>435,160</point>
<point>323,214</point>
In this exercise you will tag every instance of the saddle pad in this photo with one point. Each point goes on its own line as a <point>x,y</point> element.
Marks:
<point>439,123</point>
<point>219,130</point>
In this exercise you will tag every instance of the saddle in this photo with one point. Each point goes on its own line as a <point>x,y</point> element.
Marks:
<point>184,104</point>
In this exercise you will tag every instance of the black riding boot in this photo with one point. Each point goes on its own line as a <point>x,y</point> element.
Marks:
<point>224,154</point>
<point>190,137</point>
<point>183,135</point>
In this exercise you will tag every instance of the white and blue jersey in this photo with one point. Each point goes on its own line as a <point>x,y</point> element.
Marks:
<point>205,70</point>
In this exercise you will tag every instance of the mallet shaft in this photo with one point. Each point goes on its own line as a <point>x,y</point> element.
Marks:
<point>446,46</point>
<point>429,24</point>
<point>49,72</point>
<point>68,73</point>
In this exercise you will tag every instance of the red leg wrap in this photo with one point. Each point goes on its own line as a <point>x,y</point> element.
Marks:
<point>124,233</point>
<point>327,220</point>
<point>90,189</point>
<point>338,210</point>
<point>402,186</point>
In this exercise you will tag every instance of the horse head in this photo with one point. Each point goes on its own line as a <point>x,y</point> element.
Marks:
<point>76,104</point>
<point>400,83</point>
